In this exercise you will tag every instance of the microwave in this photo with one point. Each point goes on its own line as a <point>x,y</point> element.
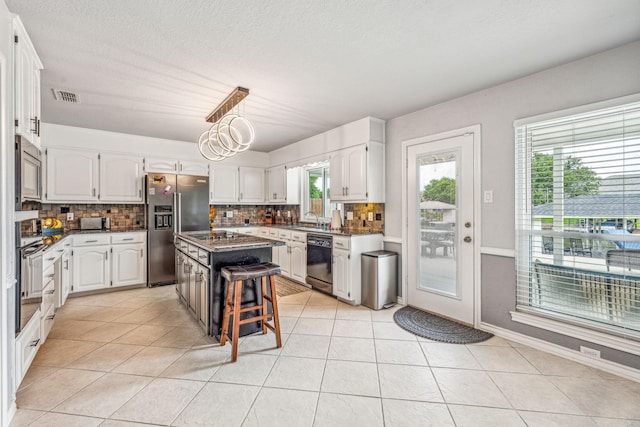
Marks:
<point>28,172</point>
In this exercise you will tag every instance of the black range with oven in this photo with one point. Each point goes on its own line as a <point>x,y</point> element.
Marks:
<point>319,262</point>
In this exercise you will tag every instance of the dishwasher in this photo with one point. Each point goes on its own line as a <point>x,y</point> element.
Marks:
<point>319,262</point>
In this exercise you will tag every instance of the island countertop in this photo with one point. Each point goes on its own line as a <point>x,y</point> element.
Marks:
<point>224,241</point>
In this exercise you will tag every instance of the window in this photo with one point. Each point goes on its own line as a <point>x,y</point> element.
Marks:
<point>578,219</point>
<point>317,192</point>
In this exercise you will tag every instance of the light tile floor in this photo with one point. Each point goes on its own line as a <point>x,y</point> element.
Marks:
<point>135,358</point>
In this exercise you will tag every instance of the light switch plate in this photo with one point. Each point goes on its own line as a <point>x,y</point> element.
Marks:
<point>69,216</point>
<point>349,216</point>
<point>370,216</point>
<point>229,214</point>
<point>488,196</point>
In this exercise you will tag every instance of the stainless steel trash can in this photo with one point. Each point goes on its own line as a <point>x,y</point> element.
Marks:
<point>379,278</point>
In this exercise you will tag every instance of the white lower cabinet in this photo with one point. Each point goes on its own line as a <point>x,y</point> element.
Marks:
<point>90,268</point>
<point>127,267</point>
<point>292,257</point>
<point>27,345</point>
<point>102,261</point>
<point>347,255</point>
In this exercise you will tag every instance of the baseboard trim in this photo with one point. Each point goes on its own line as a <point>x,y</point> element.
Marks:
<point>601,364</point>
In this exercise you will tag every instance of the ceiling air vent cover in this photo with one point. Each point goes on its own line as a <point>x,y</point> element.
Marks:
<point>65,96</point>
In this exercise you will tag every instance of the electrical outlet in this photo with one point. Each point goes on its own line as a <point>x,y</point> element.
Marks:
<point>590,352</point>
<point>488,196</point>
<point>69,216</point>
<point>349,216</point>
<point>370,216</point>
<point>229,214</point>
<point>288,214</point>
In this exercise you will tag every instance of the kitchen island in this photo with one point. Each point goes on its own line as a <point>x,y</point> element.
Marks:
<point>200,255</point>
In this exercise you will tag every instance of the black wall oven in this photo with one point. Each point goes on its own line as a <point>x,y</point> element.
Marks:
<point>319,262</point>
<point>29,286</point>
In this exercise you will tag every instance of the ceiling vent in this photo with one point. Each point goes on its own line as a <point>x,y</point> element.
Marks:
<point>65,96</point>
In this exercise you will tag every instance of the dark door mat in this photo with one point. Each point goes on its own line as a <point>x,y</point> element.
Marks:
<point>436,328</point>
<point>286,287</point>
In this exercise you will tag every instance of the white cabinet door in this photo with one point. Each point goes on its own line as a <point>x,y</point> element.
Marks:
<point>223,184</point>
<point>356,179</point>
<point>337,168</point>
<point>153,164</point>
<point>120,178</point>
<point>349,174</point>
<point>188,167</point>
<point>72,175</point>
<point>127,264</point>
<point>284,259</point>
<point>27,68</point>
<point>65,277</point>
<point>341,285</point>
<point>298,261</point>
<point>90,268</point>
<point>251,185</point>
<point>277,184</point>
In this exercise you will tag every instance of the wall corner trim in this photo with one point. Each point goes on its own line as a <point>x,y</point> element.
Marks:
<point>557,350</point>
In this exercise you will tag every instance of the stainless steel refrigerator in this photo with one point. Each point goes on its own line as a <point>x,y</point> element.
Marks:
<point>174,203</point>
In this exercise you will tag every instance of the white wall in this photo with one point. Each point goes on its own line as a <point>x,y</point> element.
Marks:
<point>75,137</point>
<point>611,74</point>
<point>7,252</point>
<point>607,75</point>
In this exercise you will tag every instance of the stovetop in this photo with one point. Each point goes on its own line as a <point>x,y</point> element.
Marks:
<point>221,235</point>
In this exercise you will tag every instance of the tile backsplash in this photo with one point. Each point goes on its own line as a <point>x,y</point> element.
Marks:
<point>256,215</point>
<point>122,216</point>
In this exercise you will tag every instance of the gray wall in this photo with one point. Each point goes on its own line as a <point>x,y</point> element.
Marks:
<point>607,75</point>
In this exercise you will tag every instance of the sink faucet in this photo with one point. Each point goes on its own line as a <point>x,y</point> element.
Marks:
<point>317,219</point>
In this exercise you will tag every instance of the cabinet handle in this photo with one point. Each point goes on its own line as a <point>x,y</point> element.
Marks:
<point>51,317</point>
<point>66,264</point>
<point>35,343</point>
<point>106,254</point>
<point>347,190</point>
<point>127,239</point>
<point>202,256</point>
<point>51,292</point>
<point>50,259</point>
<point>139,192</point>
<point>91,241</point>
<point>38,126</point>
<point>34,128</point>
<point>93,192</point>
<point>50,276</point>
<point>141,253</point>
<point>60,250</point>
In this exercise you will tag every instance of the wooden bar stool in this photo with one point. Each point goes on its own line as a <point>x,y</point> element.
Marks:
<point>235,276</point>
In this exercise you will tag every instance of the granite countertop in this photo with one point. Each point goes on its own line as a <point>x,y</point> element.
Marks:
<point>119,230</point>
<point>309,229</point>
<point>56,238</point>
<point>223,241</point>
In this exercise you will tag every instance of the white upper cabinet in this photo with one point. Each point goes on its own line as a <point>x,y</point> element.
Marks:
<point>27,85</point>
<point>357,174</point>
<point>120,178</point>
<point>188,167</point>
<point>182,167</point>
<point>72,175</point>
<point>251,185</point>
<point>223,184</point>
<point>153,164</point>
<point>277,184</point>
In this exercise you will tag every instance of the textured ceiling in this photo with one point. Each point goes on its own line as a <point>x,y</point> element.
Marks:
<point>158,67</point>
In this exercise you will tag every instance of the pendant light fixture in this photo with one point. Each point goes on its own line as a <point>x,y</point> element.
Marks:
<point>231,133</point>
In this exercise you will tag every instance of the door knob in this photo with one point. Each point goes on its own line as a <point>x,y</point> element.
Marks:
<point>467,239</point>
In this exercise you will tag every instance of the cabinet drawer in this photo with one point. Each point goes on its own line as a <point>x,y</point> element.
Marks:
<point>203,256</point>
<point>48,275</point>
<point>27,345</point>
<point>192,250</point>
<point>50,256</point>
<point>47,321</point>
<point>91,240</point>
<point>298,236</point>
<point>127,238</point>
<point>182,245</point>
<point>284,234</point>
<point>341,242</point>
<point>262,231</point>
<point>273,232</point>
<point>48,296</point>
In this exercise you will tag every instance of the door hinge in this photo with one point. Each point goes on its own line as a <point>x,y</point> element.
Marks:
<point>111,283</point>
<point>98,156</point>
<point>111,250</point>
<point>16,123</point>
<point>366,148</point>
<point>349,256</point>
<point>46,151</point>
<point>366,194</point>
<point>15,39</point>
<point>46,195</point>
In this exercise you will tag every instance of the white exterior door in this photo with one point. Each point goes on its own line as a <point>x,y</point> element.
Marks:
<point>441,226</point>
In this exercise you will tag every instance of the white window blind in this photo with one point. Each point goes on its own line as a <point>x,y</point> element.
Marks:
<point>578,219</point>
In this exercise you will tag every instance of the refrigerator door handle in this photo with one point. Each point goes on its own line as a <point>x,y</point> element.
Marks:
<point>179,211</point>
<point>176,214</point>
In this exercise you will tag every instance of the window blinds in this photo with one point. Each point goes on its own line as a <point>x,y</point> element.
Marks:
<point>578,218</point>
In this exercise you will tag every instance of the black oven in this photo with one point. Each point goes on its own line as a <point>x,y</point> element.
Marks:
<point>29,286</point>
<point>319,262</point>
